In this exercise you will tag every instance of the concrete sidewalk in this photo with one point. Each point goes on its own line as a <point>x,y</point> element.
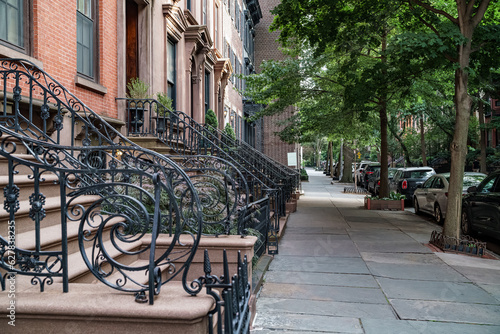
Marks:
<point>343,269</point>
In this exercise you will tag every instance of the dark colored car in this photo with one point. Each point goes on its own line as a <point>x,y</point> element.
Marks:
<point>406,180</point>
<point>368,172</point>
<point>374,181</point>
<point>481,207</point>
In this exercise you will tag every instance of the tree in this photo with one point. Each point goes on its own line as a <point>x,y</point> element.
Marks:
<point>454,27</point>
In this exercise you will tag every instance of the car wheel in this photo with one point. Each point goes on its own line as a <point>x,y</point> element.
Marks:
<point>415,205</point>
<point>438,215</point>
<point>465,224</point>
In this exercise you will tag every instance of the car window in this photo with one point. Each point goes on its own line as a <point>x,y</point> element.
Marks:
<point>419,174</point>
<point>487,185</point>
<point>428,183</point>
<point>392,172</point>
<point>438,184</point>
<point>497,187</point>
<point>472,180</point>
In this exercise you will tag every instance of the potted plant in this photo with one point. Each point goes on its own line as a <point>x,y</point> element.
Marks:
<point>393,202</point>
<point>162,110</point>
<point>137,90</point>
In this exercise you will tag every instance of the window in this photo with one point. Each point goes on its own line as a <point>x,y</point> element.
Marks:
<point>86,38</point>
<point>171,64</point>
<point>216,28</point>
<point>188,4</point>
<point>207,91</point>
<point>205,12</point>
<point>487,184</point>
<point>15,24</point>
<point>237,16</point>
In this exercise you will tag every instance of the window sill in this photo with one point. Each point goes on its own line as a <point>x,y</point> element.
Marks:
<point>85,83</point>
<point>10,53</point>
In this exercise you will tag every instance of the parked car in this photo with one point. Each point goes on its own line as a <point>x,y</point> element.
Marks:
<point>432,195</point>
<point>481,207</point>
<point>359,171</point>
<point>374,181</point>
<point>406,180</point>
<point>368,172</point>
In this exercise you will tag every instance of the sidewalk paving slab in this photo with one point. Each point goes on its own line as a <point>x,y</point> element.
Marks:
<point>313,278</point>
<point>267,306</point>
<point>374,326</point>
<point>324,292</point>
<point>447,311</point>
<point>435,291</point>
<point>320,264</point>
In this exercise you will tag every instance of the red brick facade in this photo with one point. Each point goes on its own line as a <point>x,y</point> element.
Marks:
<point>54,43</point>
<point>266,47</point>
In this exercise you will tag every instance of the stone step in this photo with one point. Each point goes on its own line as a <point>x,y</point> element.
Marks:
<point>24,223</point>
<point>96,308</point>
<point>49,185</point>
<point>20,168</point>
<point>50,236</point>
<point>78,271</point>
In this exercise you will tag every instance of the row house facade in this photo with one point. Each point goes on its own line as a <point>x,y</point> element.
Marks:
<point>194,51</point>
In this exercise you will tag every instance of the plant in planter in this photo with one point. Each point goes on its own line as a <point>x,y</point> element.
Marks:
<point>137,90</point>
<point>162,110</point>
<point>393,202</point>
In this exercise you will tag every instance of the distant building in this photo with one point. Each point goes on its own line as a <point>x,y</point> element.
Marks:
<point>266,48</point>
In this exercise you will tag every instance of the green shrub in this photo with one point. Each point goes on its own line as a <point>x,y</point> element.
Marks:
<point>211,119</point>
<point>303,175</point>
<point>228,129</point>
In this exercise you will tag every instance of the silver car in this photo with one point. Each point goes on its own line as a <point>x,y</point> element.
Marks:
<point>432,196</point>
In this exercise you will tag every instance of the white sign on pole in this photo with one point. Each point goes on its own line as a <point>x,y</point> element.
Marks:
<point>292,159</point>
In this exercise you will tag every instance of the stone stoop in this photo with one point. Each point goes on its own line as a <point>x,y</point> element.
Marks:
<point>215,246</point>
<point>96,308</point>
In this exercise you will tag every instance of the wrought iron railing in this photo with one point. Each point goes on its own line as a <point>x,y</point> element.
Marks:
<point>234,296</point>
<point>114,196</point>
<point>185,136</point>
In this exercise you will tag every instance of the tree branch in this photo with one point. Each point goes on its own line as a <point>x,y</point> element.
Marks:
<point>480,12</point>
<point>435,10</point>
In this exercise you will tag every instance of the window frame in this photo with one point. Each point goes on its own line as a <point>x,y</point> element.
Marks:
<point>95,77</point>
<point>27,29</point>
<point>172,81</point>
<point>207,91</point>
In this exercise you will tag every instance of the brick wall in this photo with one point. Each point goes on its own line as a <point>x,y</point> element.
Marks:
<point>267,48</point>
<point>54,39</point>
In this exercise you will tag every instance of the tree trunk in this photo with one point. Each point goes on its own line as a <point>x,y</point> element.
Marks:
<point>384,158</point>
<point>348,158</point>
<point>330,155</point>
<point>482,137</point>
<point>458,147</point>
<point>422,141</point>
